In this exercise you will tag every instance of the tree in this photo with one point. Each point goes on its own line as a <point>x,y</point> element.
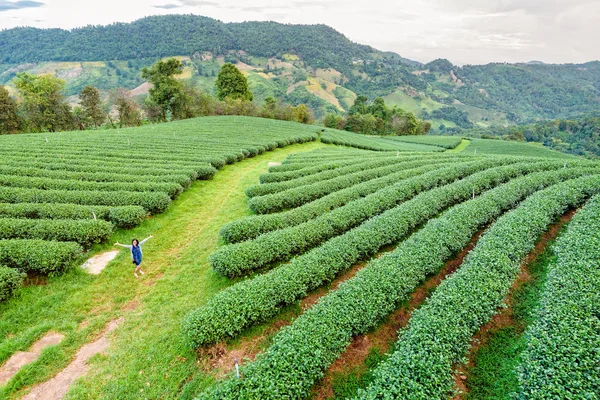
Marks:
<point>231,83</point>
<point>91,106</point>
<point>269,108</point>
<point>127,110</point>
<point>166,92</point>
<point>378,109</point>
<point>10,122</point>
<point>44,104</point>
<point>359,106</point>
<point>302,114</point>
<point>424,127</point>
<point>334,121</point>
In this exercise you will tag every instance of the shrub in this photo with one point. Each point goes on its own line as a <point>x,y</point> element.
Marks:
<point>439,333</point>
<point>257,299</point>
<point>83,231</point>
<point>153,202</point>
<point>121,217</point>
<point>10,280</point>
<point>41,256</point>
<point>317,337</point>
<point>561,357</point>
<point>240,258</point>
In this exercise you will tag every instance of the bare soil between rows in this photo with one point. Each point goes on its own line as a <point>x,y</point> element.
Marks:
<point>385,335</point>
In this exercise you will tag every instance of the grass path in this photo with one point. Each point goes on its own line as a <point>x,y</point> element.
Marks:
<point>146,357</point>
<point>463,145</point>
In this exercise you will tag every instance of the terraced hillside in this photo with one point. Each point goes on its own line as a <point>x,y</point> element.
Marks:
<point>341,272</point>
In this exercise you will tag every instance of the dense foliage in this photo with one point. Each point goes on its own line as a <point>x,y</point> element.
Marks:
<point>452,114</point>
<point>439,333</point>
<point>561,358</point>
<point>161,36</point>
<point>166,92</point>
<point>579,136</point>
<point>10,280</point>
<point>377,119</point>
<point>258,299</point>
<point>318,336</point>
<point>10,121</point>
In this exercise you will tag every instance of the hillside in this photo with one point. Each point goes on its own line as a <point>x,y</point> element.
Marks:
<point>313,64</point>
<point>255,225</point>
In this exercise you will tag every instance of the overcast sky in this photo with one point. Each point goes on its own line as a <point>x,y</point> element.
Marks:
<point>463,31</point>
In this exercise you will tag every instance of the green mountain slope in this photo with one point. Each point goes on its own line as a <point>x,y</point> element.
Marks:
<point>303,63</point>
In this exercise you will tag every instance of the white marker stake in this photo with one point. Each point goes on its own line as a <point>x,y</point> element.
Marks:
<point>237,369</point>
<point>473,192</point>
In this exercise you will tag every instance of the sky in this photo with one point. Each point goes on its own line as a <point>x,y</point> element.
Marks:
<point>463,31</point>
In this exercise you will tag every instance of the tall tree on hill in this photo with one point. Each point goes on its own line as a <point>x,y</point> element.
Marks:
<point>302,114</point>
<point>91,106</point>
<point>44,103</point>
<point>127,110</point>
<point>232,84</point>
<point>10,122</point>
<point>269,108</point>
<point>359,106</point>
<point>166,92</point>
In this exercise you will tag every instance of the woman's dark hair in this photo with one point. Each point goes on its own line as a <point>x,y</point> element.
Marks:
<point>135,240</point>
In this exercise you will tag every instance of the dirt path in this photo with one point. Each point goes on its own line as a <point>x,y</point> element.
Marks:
<point>57,387</point>
<point>22,358</point>
<point>97,263</point>
<point>386,334</point>
<point>504,318</point>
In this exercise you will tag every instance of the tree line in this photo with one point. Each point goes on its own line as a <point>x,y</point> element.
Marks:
<point>43,107</point>
<point>375,118</point>
<point>580,136</point>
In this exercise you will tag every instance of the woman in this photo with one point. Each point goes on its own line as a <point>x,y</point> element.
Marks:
<point>136,253</point>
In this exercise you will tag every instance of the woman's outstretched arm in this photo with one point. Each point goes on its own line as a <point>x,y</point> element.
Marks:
<point>145,240</point>
<point>128,246</point>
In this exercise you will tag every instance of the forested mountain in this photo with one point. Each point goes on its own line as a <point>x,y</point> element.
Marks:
<point>162,36</point>
<point>311,64</point>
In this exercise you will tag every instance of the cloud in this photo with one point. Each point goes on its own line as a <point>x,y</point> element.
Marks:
<point>200,3</point>
<point>18,5</point>
<point>255,9</point>
<point>187,3</point>
<point>169,6</point>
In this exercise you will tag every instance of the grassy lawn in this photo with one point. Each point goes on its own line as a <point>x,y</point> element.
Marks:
<point>146,358</point>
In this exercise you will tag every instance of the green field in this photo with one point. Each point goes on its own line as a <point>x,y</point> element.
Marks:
<point>242,248</point>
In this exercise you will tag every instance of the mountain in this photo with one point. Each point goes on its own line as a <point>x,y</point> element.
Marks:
<point>313,64</point>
